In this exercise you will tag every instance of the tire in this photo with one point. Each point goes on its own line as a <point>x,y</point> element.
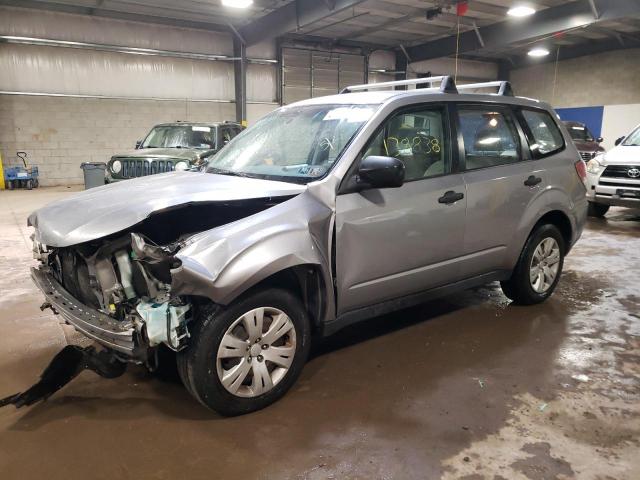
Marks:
<point>200,368</point>
<point>521,287</point>
<point>10,184</point>
<point>36,183</point>
<point>29,185</point>
<point>597,210</point>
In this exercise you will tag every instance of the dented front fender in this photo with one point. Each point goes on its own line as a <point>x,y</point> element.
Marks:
<point>222,263</point>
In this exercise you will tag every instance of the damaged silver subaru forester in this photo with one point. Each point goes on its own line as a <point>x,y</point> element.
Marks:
<point>324,213</point>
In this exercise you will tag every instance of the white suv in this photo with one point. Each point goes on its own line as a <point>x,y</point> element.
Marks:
<point>614,177</point>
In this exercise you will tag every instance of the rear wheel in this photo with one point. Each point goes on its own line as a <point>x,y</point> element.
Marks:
<point>246,356</point>
<point>539,268</point>
<point>597,209</point>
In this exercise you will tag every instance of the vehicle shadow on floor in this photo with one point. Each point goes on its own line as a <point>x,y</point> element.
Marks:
<point>458,333</point>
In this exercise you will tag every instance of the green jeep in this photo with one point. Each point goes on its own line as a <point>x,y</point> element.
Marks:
<point>172,146</point>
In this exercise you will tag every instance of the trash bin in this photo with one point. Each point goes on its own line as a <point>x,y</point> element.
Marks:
<point>93,174</point>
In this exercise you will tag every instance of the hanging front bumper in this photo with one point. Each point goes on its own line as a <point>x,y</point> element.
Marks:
<point>108,332</point>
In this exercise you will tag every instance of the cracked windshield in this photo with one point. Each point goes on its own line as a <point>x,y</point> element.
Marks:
<point>296,144</point>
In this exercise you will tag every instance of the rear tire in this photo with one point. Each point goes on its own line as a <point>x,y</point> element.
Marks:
<point>597,209</point>
<point>539,268</point>
<point>284,335</point>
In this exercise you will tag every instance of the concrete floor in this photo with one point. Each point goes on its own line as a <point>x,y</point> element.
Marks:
<point>463,387</point>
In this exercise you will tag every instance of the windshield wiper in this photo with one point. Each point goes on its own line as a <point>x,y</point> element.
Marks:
<point>219,171</point>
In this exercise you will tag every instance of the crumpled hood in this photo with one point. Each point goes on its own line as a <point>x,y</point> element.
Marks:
<point>189,154</point>
<point>623,155</point>
<point>102,211</point>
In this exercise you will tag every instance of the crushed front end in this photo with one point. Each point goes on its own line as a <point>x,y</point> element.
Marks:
<point>116,291</point>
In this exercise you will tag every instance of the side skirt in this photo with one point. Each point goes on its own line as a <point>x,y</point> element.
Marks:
<point>364,313</point>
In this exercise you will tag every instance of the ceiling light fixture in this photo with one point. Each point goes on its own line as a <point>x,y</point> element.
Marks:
<point>521,11</point>
<point>237,3</point>
<point>538,52</point>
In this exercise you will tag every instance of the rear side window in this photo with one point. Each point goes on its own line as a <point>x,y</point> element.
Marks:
<point>546,137</point>
<point>490,137</point>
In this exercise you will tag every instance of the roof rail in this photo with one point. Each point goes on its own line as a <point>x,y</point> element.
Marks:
<point>447,85</point>
<point>504,88</point>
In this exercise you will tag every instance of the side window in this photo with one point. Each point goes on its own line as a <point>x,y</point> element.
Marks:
<point>233,131</point>
<point>226,134</point>
<point>544,130</point>
<point>490,137</point>
<point>419,139</point>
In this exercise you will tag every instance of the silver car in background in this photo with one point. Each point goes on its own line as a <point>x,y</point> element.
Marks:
<point>324,213</point>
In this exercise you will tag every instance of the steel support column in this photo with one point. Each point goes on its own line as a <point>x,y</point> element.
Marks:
<point>401,68</point>
<point>240,80</point>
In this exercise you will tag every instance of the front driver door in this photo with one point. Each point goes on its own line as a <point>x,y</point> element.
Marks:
<point>397,241</point>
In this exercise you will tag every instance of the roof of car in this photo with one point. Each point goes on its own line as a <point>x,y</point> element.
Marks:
<point>434,94</point>
<point>571,123</point>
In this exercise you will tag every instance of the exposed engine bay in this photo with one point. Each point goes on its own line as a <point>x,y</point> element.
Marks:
<point>127,276</point>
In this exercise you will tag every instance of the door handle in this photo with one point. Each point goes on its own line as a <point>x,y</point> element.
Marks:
<point>532,181</point>
<point>450,197</point>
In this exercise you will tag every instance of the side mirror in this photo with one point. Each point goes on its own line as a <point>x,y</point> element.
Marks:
<point>138,144</point>
<point>381,172</point>
<point>619,141</point>
<point>599,139</point>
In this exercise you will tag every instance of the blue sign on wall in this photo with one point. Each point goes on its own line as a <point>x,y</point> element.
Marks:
<point>590,116</point>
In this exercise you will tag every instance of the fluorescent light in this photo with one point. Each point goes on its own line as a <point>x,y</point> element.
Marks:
<point>521,11</point>
<point>538,52</point>
<point>237,3</point>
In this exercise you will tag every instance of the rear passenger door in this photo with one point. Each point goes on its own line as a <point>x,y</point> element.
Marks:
<point>500,183</point>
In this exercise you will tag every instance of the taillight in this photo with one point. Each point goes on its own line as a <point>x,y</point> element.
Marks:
<point>581,169</point>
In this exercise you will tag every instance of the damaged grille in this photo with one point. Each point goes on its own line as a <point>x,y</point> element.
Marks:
<point>134,167</point>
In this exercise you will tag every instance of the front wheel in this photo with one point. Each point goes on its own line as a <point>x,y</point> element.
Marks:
<point>597,209</point>
<point>246,356</point>
<point>539,268</point>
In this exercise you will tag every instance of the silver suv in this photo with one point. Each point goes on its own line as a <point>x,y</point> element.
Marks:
<point>614,177</point>
<point>324,213</point>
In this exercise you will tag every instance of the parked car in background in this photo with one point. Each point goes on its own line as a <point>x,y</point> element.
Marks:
<point>583,139</point>
<point>614,177</point>
<point>172,146</point>
<point>324,213</point>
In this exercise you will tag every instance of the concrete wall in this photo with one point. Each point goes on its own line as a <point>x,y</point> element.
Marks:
<point>610,78</point>
<point>59,133</point>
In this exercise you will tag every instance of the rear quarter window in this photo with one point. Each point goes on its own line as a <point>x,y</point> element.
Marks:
<point>543,133</point>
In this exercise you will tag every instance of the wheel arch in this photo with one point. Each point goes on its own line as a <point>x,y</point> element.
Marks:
<point>307,282</point>
<point>560,220</point>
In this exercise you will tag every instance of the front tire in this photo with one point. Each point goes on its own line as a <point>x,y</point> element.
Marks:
<point>539,268</point>
<point>247,355</point>
<point>597,209</point>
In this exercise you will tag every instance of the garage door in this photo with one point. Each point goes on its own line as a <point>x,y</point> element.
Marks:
<point>312,73</point>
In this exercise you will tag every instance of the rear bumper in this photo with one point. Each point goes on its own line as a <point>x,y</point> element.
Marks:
<point>112,334</point>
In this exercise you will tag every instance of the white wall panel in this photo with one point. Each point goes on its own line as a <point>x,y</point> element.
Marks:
<point>261,83</point>
<point>617,121</point>
<point>466,68</point>
<point>27,68</point>
<point>83,28</point>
